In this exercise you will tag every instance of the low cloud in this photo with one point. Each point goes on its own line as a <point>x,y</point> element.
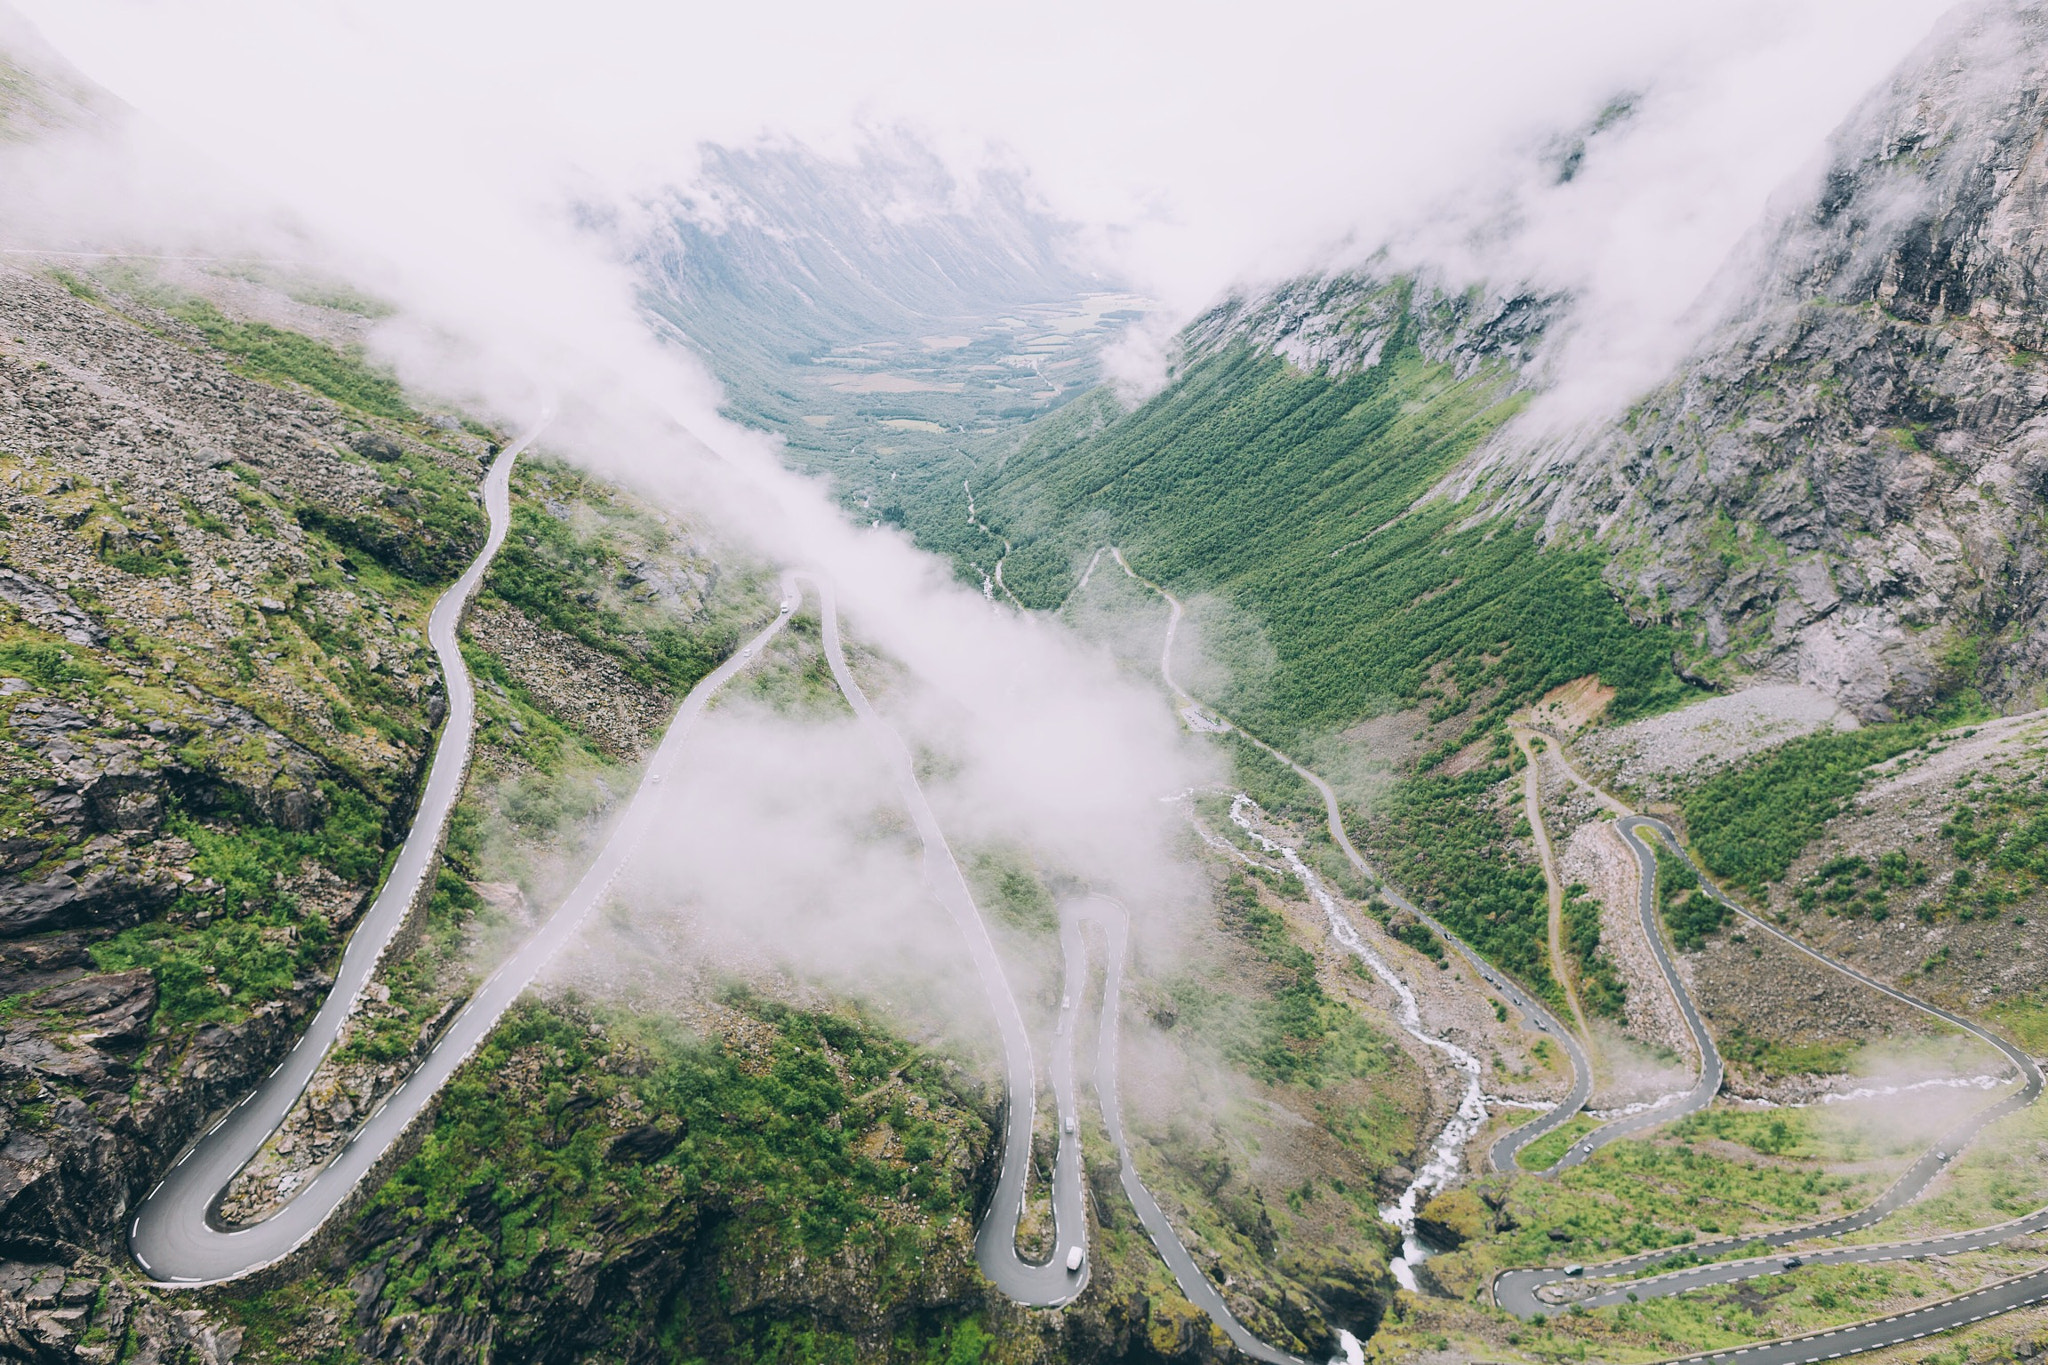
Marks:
<point>454,156</point>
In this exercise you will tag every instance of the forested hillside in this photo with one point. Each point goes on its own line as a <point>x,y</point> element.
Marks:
<point>1290,496</point>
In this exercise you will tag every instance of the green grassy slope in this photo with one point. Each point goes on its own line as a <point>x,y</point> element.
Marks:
<point>1286,494</point>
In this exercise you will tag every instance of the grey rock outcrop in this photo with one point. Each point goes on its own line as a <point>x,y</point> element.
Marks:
<point>1342,323</point>
<point>1845,485</point>
<point>83,892</point>
<point>45,606</point>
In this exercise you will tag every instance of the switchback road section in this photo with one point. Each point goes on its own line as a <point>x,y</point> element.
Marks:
<point>175,1237</point>
<point>1520,1291</point>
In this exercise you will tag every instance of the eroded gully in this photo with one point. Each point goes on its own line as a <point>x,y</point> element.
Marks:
<point>1447,1151</point>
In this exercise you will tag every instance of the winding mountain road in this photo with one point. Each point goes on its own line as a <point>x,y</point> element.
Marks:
<point>178,1242</point>
<point>1517,1291</point>
<point>1712,1072</point>
<point>1553,883</point>
<point>1199,1290</point>
<point>995,1243</point>
<point>175,1237</point>
<point>2003,1297</point>
<point>1051,1284</point>
<point>1509,1144</point>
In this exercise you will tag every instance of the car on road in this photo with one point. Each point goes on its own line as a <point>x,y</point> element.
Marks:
<point>1794,1262</point>
<point>1070,1123</point>
<point>1074,1258</point>
<point>1575,1270</point>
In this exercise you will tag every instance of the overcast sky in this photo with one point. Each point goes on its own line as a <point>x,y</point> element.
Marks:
<point>1218,141</point>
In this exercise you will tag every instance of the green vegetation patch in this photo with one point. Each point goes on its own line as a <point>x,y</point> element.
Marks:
<point>1549,1149</point>
<point>1998,833</point>
<point>1004,881</point>
<point>224,951</point>
<point>428,529</point>
<point>794,677</point>
<point>1808,1299</point>
<point>272,354</point>
<point>559,575</point>
<point>146,551</point>
<point>50,664</point>
<point>1771,1132</point>
<point>2025,1021</point>
<point>1277,788</point>
<point>1293,1033</point>
<point>1601,988</point>
<point>1689,912</point>
<point>621,1141</point>
<point>1645,1194</point>
<point>1774,1058</point>
<point>390,1031</point>
<point>1749,822</point>
<point>1422,939</point>
<point>1286,494</point>
<point>1850,885</point>
<point>1439,838</point>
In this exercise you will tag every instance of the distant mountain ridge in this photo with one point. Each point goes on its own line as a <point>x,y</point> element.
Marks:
<point>779,251</point>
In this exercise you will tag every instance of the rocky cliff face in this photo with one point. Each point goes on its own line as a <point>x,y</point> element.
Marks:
<point>1342,323</point>
<point>1845,484</point>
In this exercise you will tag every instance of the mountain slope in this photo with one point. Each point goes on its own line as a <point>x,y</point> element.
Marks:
<point>1288,494</point>
<point>1844,485</point>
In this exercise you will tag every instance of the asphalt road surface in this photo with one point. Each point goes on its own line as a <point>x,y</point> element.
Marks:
<point>1051,1284</point>
<point>175,1237</point>
<point>995,1242</point>
<point>1711,1071</point>
<point>1519,1291</point>
<point>171,1236</point>
<point>178,1242</point>
<point>2004,1297</point>
<point>1199,1289</point>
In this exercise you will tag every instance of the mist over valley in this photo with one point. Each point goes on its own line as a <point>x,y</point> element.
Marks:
<point>1155,686</point>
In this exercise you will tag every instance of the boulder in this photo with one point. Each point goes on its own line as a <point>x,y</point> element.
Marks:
<point>373,445</point>
<point>1452,1219</point>
<point>83,893</point>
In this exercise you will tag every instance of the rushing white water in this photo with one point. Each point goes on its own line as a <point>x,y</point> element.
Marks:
<point>1639,1107</point>
<point>1874,1092</point>
<point>1447,1156</point>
